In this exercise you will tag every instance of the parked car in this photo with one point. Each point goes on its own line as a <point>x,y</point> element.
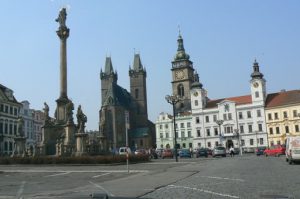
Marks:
<point>123,150</point>
<point>202,152</point>
<point>184,153</point>
<point>260,150</point>
<point>140,152</point>
<point>275,150</point>
<point>292,152</point>
<point>219,151</point>
<point>167,153</point>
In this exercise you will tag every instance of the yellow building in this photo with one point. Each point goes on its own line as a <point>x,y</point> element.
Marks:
<point>282,116</point>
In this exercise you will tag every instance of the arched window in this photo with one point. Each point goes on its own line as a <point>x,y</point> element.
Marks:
<point>180,90</point>
<point>136,93</point>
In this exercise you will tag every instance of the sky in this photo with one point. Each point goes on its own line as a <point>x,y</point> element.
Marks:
<point>223,38</point>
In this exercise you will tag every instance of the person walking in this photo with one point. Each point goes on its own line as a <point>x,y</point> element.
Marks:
<point>231,151</point>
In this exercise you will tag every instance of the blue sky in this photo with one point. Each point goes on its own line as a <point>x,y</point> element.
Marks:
<point>222,38</point>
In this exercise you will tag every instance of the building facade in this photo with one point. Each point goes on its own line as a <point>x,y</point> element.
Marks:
<point>9,114</point>
<point>28,117</point>
<point>283,116</point>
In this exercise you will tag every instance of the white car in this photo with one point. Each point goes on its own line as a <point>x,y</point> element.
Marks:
<point>123,150</point>
<point>292,151</point>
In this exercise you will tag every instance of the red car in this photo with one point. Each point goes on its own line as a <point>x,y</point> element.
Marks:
<point>167,153</point>
<point>275,150</point>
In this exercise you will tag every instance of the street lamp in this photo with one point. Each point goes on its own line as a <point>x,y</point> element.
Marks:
<point>238,138</point>
<point>174,100</point>
<point>220,122</point>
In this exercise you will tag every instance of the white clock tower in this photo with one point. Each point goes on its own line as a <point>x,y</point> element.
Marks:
<point>258,86</point>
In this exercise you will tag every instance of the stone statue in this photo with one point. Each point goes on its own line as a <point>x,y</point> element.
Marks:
<point>102,122</point>
<point>81,119</point>
<point>20,126</point>
<point>46,111</point>
<point>61,19</point>
<point>69,110</point>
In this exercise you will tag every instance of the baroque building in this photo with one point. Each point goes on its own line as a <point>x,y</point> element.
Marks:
<point>124,112</point>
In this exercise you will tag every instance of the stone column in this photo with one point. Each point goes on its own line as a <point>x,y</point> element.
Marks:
<point>81,144</point>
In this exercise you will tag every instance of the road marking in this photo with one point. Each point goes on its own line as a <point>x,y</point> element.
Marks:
<point>58,174</point>
<point>203,190</point>
<point>7,197</point>
<point>220,178</point>
<point>20,191</point>
<point>169,163</point>
<point>74,171</point>
<point>105,190</point>
<point>104,174</point>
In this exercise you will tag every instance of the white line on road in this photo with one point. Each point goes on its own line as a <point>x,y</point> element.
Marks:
<point>220,178</point>
<point>58,174</point>
<point>104,174</point>
<point>7,197</point>
<point>106,191</point>
<point>74,171</point>
<point>20,191</point>
<point>205,191</point>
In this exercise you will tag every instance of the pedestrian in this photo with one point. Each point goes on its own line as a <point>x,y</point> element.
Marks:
<point>191,152</point>
<point>231,151</point>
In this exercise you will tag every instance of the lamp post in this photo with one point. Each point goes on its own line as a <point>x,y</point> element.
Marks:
<point>172,99</point>
<point>238,139</point>
<point>220,122</point>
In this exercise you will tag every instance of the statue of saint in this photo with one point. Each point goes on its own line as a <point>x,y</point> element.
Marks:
<point>20,126</point>
<point>61,19</point>
<point>81,119</point>
<point>69,110</point>
<point>102,122</point>
<point>46,110</point>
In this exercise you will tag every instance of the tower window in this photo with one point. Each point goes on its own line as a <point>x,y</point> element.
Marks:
<point>257,94</point>
<point>180,90</point>
<point>136,93</point>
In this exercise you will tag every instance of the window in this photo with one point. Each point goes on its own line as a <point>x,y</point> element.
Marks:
<point>272,143</point>
<point>160,126</point>
<point>6,109</point>
<point>287,129</point>
<point>166,126</point>
<point>182,134</point>
<point>242,129</point>
<point>229,116</point>
<point>228,129</point>
<point>216,131</point>
<point>190,145</point>
<point>6,128</point>
<point>199,144</point>
<point>216,143</point>
<point>188,124</point>
<point>197,120</point>
<point>207,118</point>
<point>176,126</point>
<point>240,115</point>
<point>251,142</point>
<point>285,115</point>
<point>1,108</point>
<point>189,134</point>
<point>250,128</point>
<point>261,141</point>
<point>180,90</point>
<point>295,113</point>
<point>208,132</point>
<point>10,129</point>
<point>183,145</point>
<point>276,116</point>
<point>257,94</point>
<point>249,114</point>
<point>243,142</point>
<point>196,102</point>
<point>277,130</point>
<point>271,131</point>
<point>270,116</point>
<point>278,142</point>
<point>167,135</point>
<point>181,125</point>
<point>198,133</point>
<point>297,128</point>
<point>15,111</point>
<point>1,127</point>
<point>260,127</point>
<point>11,110</point>
<point>161,135</point>
<point>225,116</point>
<point>215,118</point>
<point>258,113</point>
<point>209,144</point>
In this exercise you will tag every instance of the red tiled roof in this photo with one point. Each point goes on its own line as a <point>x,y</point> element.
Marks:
<point>246,99</point>
<point>283,98</point>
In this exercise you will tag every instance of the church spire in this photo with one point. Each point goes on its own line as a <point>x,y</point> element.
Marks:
<point>108,66</point>
<point>256,74</point>
<point>181,55</point>
<point>137,64</point>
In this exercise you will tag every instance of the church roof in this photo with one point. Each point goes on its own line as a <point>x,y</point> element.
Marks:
<point>239,100</point>
<point>117,96</point>
<point>283,98</point>
<point>8,94</point>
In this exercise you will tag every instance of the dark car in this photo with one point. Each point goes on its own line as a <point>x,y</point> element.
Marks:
<point>260,150</point>
<point>202,153</point>
<point>185,153</point>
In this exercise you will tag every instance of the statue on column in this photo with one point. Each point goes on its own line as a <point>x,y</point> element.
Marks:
<point>61,19</point>
<point>46,111</point>
<point>69,111</point>
<point>81,119</point>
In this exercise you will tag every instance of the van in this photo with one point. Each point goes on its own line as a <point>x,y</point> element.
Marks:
<point>292,152</point>
<point>123,150</point>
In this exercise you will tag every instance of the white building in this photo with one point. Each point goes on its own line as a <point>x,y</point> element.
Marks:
<point>27,114</point>
<point>234,121</point>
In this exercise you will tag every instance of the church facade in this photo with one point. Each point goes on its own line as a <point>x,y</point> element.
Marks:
<point>123,115</point>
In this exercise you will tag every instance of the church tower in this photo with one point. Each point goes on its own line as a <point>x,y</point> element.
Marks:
<point>258,86</point>
<point>108,77</point>
<point>138,90</point>
<point>182,76</point>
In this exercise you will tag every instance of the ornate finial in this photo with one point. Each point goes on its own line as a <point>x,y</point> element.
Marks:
<point>179,30</point>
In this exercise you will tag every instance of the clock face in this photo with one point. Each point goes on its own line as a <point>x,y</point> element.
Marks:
<point>179,74</point>
<point>195,94</point>
<point>255,84</point>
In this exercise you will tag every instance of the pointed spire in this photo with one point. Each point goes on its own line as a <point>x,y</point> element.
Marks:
<point>137,64</point>
<point>180,50</point>
<point>108,66</point>
<point>256,74</point>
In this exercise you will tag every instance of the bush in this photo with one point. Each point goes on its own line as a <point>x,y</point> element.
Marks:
<point>103,159</point>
